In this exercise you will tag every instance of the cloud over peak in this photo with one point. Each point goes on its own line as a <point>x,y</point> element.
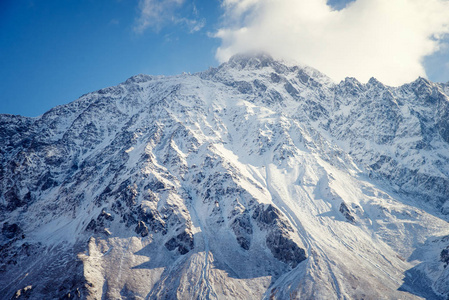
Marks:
<point>387,39</point>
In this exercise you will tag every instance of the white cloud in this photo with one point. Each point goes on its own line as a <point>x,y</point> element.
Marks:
<point>191,24</point>
<point>156,14</point>
<point>387,39</point>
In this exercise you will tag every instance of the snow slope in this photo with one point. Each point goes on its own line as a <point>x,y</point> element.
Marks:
<point>257,179</point>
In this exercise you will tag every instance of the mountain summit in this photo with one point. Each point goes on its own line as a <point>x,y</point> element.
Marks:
<point>252,180</point>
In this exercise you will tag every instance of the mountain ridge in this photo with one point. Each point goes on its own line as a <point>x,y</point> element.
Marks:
<point>253,178</point>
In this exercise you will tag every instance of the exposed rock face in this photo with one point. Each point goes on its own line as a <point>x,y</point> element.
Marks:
<point>346,212</point>
<point>231,182</point>
<point>11,230</point>
<point>284,249</point>
<point>183,242</point>
<point>142,229</point>
<point>243,230</point>
<point>278,238</point>
<point>444,256</point>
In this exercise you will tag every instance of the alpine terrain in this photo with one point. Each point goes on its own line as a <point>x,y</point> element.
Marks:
<point>258,179</point>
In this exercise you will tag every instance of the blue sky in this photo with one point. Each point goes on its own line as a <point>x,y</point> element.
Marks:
<point>53,51</point>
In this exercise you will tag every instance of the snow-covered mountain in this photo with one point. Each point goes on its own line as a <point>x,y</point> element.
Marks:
<point>256,179</point>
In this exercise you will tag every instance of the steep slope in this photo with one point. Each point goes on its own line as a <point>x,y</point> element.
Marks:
<point>254,178</point>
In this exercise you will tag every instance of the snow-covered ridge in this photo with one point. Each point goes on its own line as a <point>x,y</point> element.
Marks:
<point>254,178</point>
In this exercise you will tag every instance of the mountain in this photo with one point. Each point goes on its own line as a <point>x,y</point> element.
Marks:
<point>256,179</point>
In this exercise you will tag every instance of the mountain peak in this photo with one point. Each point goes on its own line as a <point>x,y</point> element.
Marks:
<point>421,81</point>
<point>139,78</point>
<point>253,60</point>
<point>374,82</point>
